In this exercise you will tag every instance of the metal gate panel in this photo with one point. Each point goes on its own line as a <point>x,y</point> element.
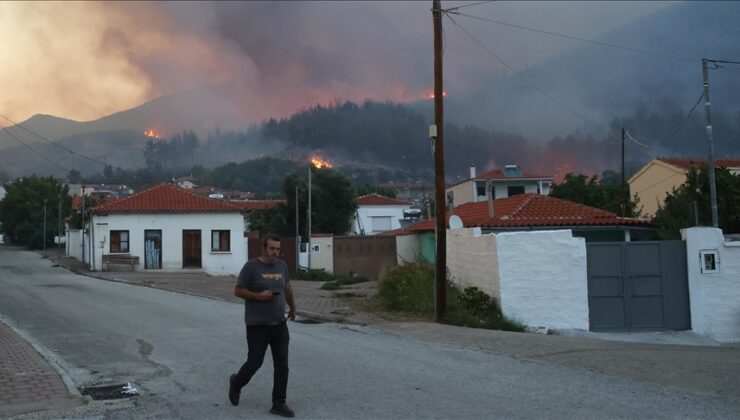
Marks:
<point>642,265</point>
<point>638,286</point>
<point>606,294</point>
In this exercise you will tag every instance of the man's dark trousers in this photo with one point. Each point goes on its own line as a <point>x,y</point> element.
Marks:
<point>258,338</point>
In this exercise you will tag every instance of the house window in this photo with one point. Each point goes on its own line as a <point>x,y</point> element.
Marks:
<point>480,189</point>
<point>119,241</point>
<point>515,190</point>
<point>380,223</point>
<point>220,240</point>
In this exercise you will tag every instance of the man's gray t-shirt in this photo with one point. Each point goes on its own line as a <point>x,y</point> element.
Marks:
<point>257,276</point>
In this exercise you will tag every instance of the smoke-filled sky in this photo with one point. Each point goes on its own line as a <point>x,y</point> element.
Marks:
<point>85,60</point>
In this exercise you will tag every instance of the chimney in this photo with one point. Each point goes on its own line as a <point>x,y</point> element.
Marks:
<point>489,193</point>
<point>472,171</point>
<point>451,202</point>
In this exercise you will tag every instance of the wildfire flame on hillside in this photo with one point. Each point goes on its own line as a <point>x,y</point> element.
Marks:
<point>319,163</point>
<point>153,134</point>
<point>431,95</point>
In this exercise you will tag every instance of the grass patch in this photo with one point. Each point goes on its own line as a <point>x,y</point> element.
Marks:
<point>409,289</point>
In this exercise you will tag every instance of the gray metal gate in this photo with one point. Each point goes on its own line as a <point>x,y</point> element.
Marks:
<point>638,286</point>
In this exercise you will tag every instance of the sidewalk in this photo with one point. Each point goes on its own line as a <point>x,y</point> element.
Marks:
<point>28,382</point>
<point>312,303</point>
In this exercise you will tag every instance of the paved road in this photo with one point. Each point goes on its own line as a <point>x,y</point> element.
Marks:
<point>178,351</point>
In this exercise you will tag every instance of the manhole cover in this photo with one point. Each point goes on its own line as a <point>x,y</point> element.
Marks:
<point>110,392</point>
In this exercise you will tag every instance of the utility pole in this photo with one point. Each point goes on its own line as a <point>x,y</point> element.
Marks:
<point>45,201</point>
<point>297,235</point>
<point>623,201</point>
<point>308,232</point>
<point>59,224</point>
<point>83,223</point>
<point>710,140</point>
<point>439,169</point>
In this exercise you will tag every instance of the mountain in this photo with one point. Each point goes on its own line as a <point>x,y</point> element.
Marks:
<point>601,83</point>
<point>48,126</point>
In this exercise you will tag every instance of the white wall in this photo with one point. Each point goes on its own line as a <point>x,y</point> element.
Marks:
<point>365,214</point>
<point>539,277</point>
<point>544,280</point>
<point>472,260</point>
<point>74,243</point>
<point>714,297</point>
<point>323,259</point>
<point>407,249</point>
<point>172,225</point>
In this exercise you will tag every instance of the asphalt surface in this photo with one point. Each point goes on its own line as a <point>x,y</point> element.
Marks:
<point>179,349</point>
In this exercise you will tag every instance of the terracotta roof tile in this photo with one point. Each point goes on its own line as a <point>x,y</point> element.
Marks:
<point>166,198</point>
<point>686,162</point>
<point>499,174</point>
<point>379,200</point>
<point>531,210</point>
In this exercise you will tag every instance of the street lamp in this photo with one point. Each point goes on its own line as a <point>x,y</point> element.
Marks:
<point>44,228</point>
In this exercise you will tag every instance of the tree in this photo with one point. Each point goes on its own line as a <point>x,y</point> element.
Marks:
<point>365,189</point>
<point>677,211</point>
<point>590,192</point>
<point>22,210</point>
<point>75,177</point>
<point>332,206</point>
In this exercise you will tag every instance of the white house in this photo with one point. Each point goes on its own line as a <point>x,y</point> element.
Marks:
<point>377,213</point>
<point>506,182</point>
<point>168,229</point>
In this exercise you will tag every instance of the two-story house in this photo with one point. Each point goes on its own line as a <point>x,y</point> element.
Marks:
<point>654,181</point>
<point>506,182</point>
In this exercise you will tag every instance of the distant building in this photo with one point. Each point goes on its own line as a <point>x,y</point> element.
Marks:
<point>507,182</point>
<point>416,191</point>
<point>660,176</point>
<point>377,213</point>
<point>186,182</point>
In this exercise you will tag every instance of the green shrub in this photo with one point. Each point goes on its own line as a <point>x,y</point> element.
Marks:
<point>410,289</point>
<point>474,308</point>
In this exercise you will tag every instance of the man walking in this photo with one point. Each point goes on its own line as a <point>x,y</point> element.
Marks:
<point>264,285</point>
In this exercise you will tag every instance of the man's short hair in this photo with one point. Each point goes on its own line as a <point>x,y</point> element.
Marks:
<point>269,237</point>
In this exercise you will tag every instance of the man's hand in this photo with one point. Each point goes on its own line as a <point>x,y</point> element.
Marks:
<point>265,296</point>
<point>291,313</point>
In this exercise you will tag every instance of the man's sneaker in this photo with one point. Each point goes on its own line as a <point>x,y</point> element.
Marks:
<point>233,392</point>
<point>282,410</point>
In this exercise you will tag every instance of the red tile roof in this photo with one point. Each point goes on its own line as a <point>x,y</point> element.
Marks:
<point>166,198</point>
<point>530,210</point>
<point>77,200</point>
<point>250,205</point>
<point>685,163</point>
<point>379,200</point>
<point>499,174</point>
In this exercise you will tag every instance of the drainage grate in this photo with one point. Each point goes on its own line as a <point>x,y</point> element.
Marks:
<point>110,392</point>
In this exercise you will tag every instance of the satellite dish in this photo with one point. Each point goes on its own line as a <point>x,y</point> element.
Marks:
<point>456,222</point>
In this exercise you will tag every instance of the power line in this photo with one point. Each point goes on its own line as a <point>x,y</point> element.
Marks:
<point>634,140</point>
<point>683,123</point>
<point>33,150</point>
<point>577,38</point>
<point>51,142</point>
<point>466,5</point>
<point>527,81</point>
